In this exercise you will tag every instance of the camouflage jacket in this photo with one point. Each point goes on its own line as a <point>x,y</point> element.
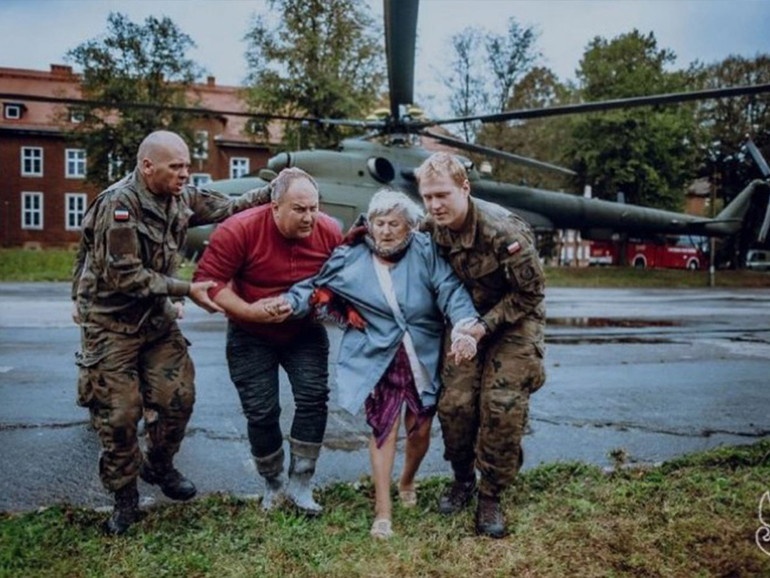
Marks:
<point>496,259</point>
<point>129,250</point>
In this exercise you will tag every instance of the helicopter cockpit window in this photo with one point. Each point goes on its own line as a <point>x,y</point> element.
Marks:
<point>381,169</point>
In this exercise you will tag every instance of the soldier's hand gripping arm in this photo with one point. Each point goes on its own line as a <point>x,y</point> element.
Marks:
<point>199,293</point>
<point>525,279</point>
<point>214,207</point>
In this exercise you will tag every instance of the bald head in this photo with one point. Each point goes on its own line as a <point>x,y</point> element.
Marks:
<point>164,162</point>
<point>156,143</point>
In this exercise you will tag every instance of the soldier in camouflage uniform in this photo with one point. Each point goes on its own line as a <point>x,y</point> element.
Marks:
<point>134,359</point>
<point>483,406</point>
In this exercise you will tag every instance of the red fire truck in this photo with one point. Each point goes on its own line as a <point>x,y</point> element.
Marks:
<point>670,252</point>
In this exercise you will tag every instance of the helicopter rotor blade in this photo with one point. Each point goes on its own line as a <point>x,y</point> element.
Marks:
<point>655,99</point>
<point>526,161</point>
<point>400,36</point>
<point>376,124</point>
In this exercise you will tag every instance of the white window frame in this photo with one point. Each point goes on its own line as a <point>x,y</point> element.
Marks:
<point>238,172</point>
<point>115,168</point>
<point>24,210</point>
<point>32,173</point>
<point>76,163</point>
<point>78,211</point>
<point>198,179</point>
<point>7,108</point>
<point>201,145</point>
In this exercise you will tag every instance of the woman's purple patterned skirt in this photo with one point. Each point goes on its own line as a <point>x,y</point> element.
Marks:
<point>395,387</point>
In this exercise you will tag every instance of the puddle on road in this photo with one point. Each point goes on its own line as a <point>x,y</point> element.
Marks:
<point>609,323</point>
<point>605,340</point>
<point>604,322</point>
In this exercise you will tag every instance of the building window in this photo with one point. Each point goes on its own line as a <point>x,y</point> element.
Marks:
<point>12,111</point>
<point>77,116</point>
<point>75,161</point>
<point>31,162</point>
<point>75,208</point>
<point>115,167</point>
<point>200,179</point>
<point>239,167</point>
<point>201,145</point>
<point>32,210</point>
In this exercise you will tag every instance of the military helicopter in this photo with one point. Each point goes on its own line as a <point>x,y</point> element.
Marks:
<point>388,153</point>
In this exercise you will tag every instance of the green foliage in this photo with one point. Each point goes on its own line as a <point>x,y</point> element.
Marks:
<point>695,516</point>
<point>543,139</point>
<point>485,68</point>
<point>647,153</point>
<point>318,58</point>
<point>730,120</point>
<point>493,73</point>
<point>144,64</point>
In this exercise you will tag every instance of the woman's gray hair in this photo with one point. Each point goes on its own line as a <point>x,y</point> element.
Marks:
<point>386,201</point>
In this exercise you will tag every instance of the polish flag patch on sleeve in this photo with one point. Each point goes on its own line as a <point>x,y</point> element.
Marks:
<point>121,215</point>
<point>514,248</point>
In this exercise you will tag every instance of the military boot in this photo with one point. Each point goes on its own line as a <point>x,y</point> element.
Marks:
<point>271,469</point>
<point>489,517</point>
<point>301,469</point>
<point>170,480</point>
<point>126,510</point>
<point>461,492</point>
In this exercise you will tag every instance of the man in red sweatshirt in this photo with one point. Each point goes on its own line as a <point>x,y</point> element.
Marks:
<point>253,256</point>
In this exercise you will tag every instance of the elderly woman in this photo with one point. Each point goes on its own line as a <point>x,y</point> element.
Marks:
<point>404,290</point>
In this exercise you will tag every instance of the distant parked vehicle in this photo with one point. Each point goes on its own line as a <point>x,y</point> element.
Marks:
<point>758,260</point>
<point>671,252</point>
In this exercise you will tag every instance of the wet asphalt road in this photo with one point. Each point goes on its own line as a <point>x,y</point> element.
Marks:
<point>658,373</point>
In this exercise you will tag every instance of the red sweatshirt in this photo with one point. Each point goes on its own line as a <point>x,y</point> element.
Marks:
<point>249,250</point>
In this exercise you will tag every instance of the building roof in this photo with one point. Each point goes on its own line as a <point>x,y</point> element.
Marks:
<point>61,82</point>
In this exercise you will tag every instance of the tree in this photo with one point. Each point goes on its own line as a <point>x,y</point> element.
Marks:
<point>646,153</point>
<point>543,139</point>
<point>485,73</point>
<point>466,79</point>
<point>729,121</point>
<point>323,58</point>
<point>511,56</point>
<point>133,63</point>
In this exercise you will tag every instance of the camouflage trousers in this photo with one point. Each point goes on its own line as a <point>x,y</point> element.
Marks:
<point>484,404</point>
<point>125,377</point>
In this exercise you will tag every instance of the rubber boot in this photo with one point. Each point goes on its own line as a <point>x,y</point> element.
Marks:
<point>489,517</point>
<point>271,469</point>
<point>126,510</point>
<point>301,469</point>
<point>170,480</point>
<point>461,492</point>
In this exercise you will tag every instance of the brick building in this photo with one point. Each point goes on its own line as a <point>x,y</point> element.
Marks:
<point>43,192</point>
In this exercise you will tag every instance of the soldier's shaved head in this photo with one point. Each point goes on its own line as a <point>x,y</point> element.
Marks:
<point>157,143</point>
<point>164,162</point>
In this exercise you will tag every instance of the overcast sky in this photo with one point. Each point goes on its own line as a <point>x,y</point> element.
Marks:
<point>36,33</point>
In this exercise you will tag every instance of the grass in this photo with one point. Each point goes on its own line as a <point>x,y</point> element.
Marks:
<point>694,516</point>
<point>21,265</point>
<point>56,265</point>
<point>629,277</point>
<point>47,265</point>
